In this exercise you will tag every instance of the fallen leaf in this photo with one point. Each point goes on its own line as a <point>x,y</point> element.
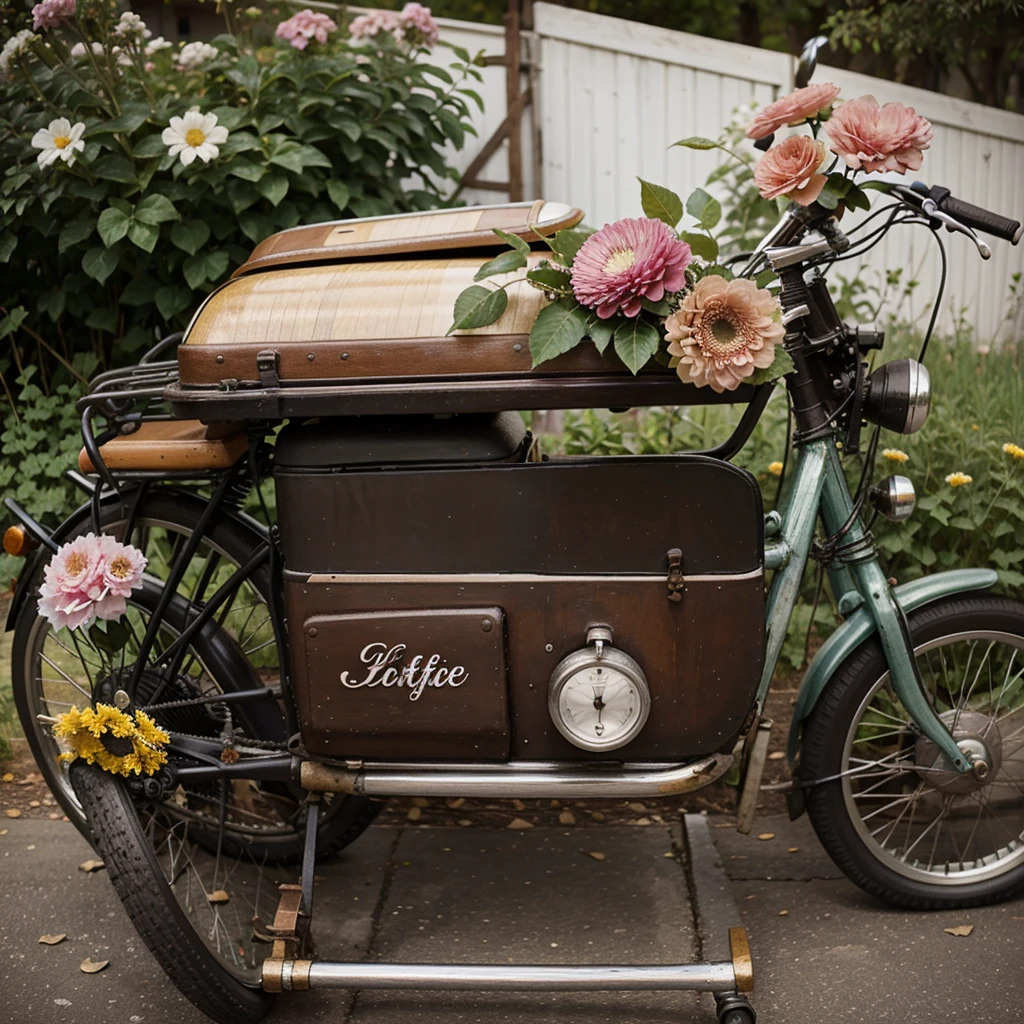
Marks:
<point>520,823</point>
<point>597,815</point>
<point>776,755</point>
<point>8,777</point>
<point>456,803</point>
<point>670,855</point>
<point>783,913</point>
<point>596,854</point>
<point>90,966</point>
<point>519,805</point>
<point>218,896</point>
<point>414,814</point>
<point>642,821</point>
<point>567,817</point>
<point>555,804</point>
<point>738,856</point>
<point>420,801</point>
<point>961,930</point>
<point>4,831</point>
<point>793,849</point>
<point>638,807</point>
<point>34,803</point>
<point>12,812</point>
<point>766,835</point>
<point>52,940</point>
<point>1015,917</point>
<point>88,866</point>
<point>54,816</point>
<point>464,822</point>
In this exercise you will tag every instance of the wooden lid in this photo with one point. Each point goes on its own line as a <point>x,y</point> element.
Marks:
<point>434,231</point>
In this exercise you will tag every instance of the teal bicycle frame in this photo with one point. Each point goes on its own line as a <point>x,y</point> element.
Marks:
<point>862,591</point>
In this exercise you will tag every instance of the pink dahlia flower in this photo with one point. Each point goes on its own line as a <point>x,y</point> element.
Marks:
<point>626,261</point>
<point>795,108</point>
<point>52,13</point>
<point>790,169</point>
<point>418,24</point>
<point>873,138</point>
<point>87,578</point>
<point>368,25</point>
<point>305,25</point>
<point>723,332</point>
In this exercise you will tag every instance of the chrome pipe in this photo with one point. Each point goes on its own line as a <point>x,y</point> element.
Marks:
<point>700,977</point>
<point>523,779</point>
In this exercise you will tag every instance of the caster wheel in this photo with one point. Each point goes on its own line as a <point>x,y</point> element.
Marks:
<point>733,1008</point>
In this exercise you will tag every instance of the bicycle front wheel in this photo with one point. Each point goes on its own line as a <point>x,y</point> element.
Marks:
<point>899,820</point>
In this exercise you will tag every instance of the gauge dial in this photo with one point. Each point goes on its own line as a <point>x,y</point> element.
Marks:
<point>599,703</point>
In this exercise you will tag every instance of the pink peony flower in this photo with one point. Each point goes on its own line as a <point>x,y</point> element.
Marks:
<point>300,28</point>
<point>795,108</point>
<point>723,332</point>
<point>626,261</point>
<point>368,25</point>
<point>87,578</point>
<point>52,13</point>
<point>790,169</point>
<point>873,138</point>
<point>419,25</point>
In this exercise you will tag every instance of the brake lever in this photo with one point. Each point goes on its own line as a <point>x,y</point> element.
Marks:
<point>930,209</point>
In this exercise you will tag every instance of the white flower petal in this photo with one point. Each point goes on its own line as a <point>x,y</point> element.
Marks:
<point>188,155</point>
<point>60,126</point>
<point>217,135</point>
<point>43,139</point>
<point>172,136</point>
<point>207,152</point>
<point>177,148</point>
<point>76,131</point>
<point>193,119</point>
<point>209,123</point>
<point>178,124</point>
<point>48,156</point>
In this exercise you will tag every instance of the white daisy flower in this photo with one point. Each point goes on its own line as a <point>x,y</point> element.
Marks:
<point>156,45</point>
<point>132,25</point>
<point>14,47</point>
<point>60,139</point>
<point>194,135</point>
<point>194,54</point>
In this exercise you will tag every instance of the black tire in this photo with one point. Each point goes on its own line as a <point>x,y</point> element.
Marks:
<point>177,511</point>
<point>118,837</point>
<point>854,712</point>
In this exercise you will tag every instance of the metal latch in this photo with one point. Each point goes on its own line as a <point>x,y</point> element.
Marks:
<point>266,365</point>
<point>675,574</point>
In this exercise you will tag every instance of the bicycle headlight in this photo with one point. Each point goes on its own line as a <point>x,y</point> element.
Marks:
<point>898,396</point>
<point>894,498</point>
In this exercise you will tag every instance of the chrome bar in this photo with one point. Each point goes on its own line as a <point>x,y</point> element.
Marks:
<point>701,977</point>
<point>523,779</point>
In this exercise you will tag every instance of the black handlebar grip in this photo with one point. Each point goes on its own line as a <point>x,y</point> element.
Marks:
<point>981,220</point>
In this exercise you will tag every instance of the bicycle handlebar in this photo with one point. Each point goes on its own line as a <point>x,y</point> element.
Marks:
<point>973,216</point>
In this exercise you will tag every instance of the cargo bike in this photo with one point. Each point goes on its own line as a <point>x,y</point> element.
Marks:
<point>434,608</point>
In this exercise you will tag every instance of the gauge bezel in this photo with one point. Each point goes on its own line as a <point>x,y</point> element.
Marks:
<point>585,659</point>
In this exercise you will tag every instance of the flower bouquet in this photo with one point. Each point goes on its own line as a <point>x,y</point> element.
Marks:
<point>652,292</point>
<point>86,583</point>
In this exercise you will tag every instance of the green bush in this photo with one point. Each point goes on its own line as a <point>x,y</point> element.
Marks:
<point>115,240</point>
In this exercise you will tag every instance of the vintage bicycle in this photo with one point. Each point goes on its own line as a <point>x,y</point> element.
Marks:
<point>434,608</point>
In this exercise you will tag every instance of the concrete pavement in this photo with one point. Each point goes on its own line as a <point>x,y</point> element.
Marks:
<point>480,894</point>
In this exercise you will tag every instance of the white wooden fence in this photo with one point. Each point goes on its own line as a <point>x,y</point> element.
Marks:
<point>612,95</point>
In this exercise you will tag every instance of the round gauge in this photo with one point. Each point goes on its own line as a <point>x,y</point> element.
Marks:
<point>599,699</point>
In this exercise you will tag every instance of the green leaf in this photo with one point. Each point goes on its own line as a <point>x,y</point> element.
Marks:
<point>100,263</point>
<point>600,332</point>
<point>550,278</point>
<point>145,236</point>
<point>478,306</point>
<point>103,320</point>
<point>115,168</point>
<point>765,278</point>
<point>273,187</point>
<point>139,292</point>
<point>635,342</point>
<point>504,263</point>
<point>155,209</point>
<point>194,270</point>
<point>828,199</point>
<point>704,208</point>
<point>517,243</point>
<point>781,365</point>
<point>660,203</point>
<point>10,323</point>
<point>567,243</point>
<point>703,246</point>
<point>75,231</point>
<point>149,147</point>
<point>857,198</point>
<point>190,235</point>
<point>172,299</point>
<point>339,193</point>
<point>112,226</point>
<point>838,184</point>
<point>696,142</point>
<point>131,116</point>
<point>557,329</point>
<point>8,243</point>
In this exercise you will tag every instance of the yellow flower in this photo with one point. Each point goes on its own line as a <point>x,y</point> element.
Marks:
<point>1013,449</point>
<point>83,731</point>
<point>974,426</point>
<point>959,479</point>
<point>895,455</point>
<point>775,468</point>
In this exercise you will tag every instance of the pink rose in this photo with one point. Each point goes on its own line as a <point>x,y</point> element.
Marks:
<point>795,108</point>
<point>790,169</point>
<point>52,13</point>
<point>419,24</point>
<point>305,25</point>
<point>873,138</point>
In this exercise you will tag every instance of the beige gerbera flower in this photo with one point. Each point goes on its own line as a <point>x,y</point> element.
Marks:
<point>724,331</point>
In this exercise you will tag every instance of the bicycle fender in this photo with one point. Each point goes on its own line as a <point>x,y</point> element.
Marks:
<point>859,626</point>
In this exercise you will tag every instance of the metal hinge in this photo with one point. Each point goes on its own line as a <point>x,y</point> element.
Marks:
<point>675,574</point>
<point>266,365</point>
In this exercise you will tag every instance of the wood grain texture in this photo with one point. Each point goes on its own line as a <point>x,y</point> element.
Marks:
<point>172,445</point>
<point>438,231</point>
<point>396,299</point>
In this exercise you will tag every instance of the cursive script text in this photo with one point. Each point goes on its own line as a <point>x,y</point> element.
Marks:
<point>383,670</point>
